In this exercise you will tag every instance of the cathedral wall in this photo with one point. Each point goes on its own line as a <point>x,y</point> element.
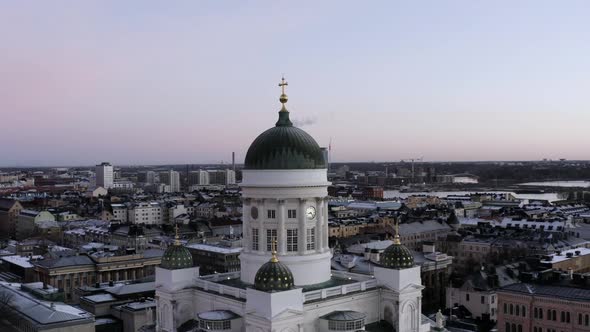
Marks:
<point>204,301</point>
<point>366,302</point>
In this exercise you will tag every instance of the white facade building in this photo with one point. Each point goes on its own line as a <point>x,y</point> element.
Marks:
<point>172,179</point>
<point>104,175</point>
<point>286,283</point>
<point>145,213</point>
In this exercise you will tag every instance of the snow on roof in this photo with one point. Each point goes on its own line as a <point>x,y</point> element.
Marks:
<point>554,258</point>
<point>20,260</point>
<point>213,248</point>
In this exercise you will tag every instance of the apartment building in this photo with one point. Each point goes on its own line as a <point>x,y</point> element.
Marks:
<point>543,308</point>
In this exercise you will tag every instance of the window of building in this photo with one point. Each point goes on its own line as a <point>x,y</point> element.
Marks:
<point>535,314</point>
<point>562,316</point>
<point>567,317</point>
<point>540,313</point>
<point>271,214</point>
<point>310,239</point>
<point>467,297</point>
<point>292,214</point>
<point>271,236</point>
<point>215,325</point>
<point>554,315</point>
<point>523,311</point>
<point>346,325</point>
<point>517,310</point>
<point>505,308</point>
<point>586,320</point>
<point>255,239</point>
<point>482,300</point>
<point>579,319</point>
<point>511,309</point>
<point>292,240</point>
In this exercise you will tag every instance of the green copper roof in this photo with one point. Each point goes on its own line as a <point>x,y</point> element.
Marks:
<point>273,276</point>
<point>397,256</point>
<point>284,147</point>
<point>176,257</point>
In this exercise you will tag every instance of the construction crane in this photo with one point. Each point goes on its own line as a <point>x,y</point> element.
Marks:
<point>412,160</point>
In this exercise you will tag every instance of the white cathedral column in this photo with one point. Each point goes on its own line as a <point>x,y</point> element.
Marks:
<point>319,238</point>
<point>325,230</point>
<point>246,231</point>
<point>261,231</point>
<point>301,229</point>
<point>281,232</point>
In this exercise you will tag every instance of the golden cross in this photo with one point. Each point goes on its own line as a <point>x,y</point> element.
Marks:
<point>176,237</point>
<point>396,239</point>
<point>283,84</point>
<point>274,251</point>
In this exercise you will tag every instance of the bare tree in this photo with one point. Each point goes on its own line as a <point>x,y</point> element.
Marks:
<point>5,302</point>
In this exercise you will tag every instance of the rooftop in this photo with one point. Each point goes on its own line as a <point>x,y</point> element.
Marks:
<point>560,292</point>
<point>45,313</point>
<point>214,248</point>
<point>20,260</point>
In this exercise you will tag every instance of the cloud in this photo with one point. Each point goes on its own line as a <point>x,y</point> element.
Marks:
<point>304,122</point>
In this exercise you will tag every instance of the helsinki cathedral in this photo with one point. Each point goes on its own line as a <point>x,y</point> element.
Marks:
<point>286,283</point>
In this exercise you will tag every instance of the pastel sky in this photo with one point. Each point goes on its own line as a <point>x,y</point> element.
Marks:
<point>155,82</point>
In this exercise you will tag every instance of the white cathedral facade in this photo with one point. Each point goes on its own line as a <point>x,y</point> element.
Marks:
<point>286,283</point>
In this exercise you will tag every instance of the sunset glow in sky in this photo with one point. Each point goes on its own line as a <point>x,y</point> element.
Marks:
<point>157,82</point>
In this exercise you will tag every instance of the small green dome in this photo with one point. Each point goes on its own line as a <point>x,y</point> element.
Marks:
<point>284,147</point>
<point>397,256</point>
<point>273,276</point>
<point>176,257</point>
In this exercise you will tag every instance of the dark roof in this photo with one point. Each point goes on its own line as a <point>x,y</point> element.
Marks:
<point>566,293</point>
<point>7,204</point>
<point>284,147</point>
<point>65,261</point>
<point>397,256</point>
<point>176,257</point>
<point>273,276</point>
<point>347,315</point>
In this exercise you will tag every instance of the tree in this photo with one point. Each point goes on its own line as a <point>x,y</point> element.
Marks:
<point>6,311</point>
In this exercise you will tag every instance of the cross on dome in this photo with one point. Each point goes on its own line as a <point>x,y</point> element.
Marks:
<point>283,99</point>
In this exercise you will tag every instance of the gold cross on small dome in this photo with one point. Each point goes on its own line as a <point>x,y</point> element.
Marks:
<point>274,257</point>
<point>283,84</point>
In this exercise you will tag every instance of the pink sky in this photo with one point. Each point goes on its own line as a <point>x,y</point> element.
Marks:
<point>143,83</point>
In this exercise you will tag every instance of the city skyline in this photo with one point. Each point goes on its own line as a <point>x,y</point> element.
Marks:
<point>144,83</point>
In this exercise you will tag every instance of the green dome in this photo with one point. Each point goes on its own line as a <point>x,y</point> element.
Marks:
<point>397,256</point>
<point>284,147</point>
<point>176,257</point>
<point>273,276</point>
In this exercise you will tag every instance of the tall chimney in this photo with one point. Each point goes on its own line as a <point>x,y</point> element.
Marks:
<point>233,161</point>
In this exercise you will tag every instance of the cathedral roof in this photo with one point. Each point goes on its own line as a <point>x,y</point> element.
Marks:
<point>176,256</point>
<point>397,256</point>
<point>274,276</point>
<point>284,146</point>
